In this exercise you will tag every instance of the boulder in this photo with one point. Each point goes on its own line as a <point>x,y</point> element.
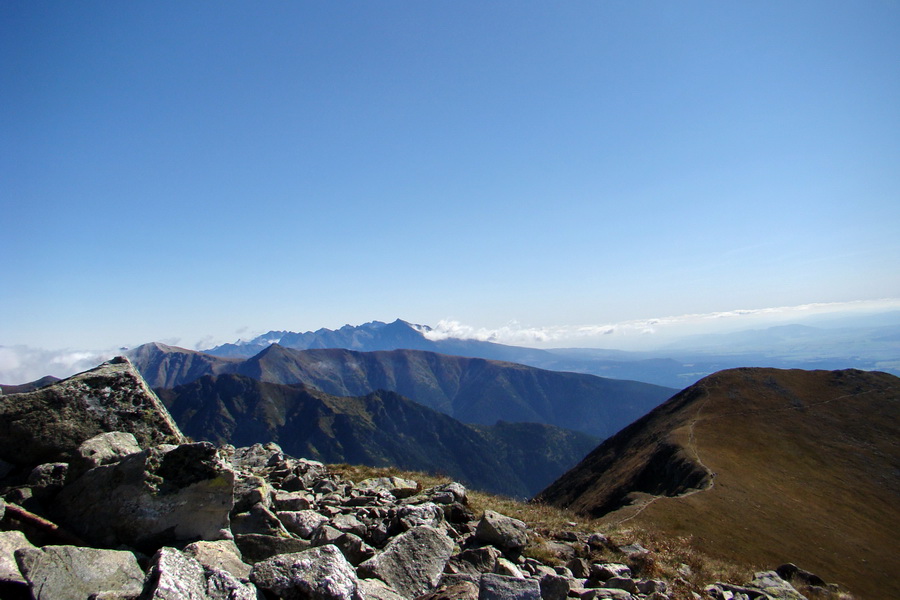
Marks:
<point>163,495</point>
<point>222,585</point>
<point>474,561</point>
<point>105,449</point>
<point>418,515</point>
<point>258,519</point>
<point>250,490</point>
<point>174,576</point>
<point>774,586</point>
<point>412,562</point>
<point>554,587</point>
<point>291,501</point>
<point>506,533</point>
<point>74,573</point>
<point>222,555</point>
<point>301,522</point>
<point>10,541</point>
<point>459,590</point>
<point>256,547</point>
<point>500,587</point>
<point>375,589</point>
<point>317,574</point>
<point>49,424</point>
<point>399,488</point>
<point>605,571</point>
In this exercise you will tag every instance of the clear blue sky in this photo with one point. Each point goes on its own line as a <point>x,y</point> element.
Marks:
<point>191,171</point>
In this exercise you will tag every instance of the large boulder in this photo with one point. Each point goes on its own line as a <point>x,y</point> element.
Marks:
<point>10,541</point>
<point>317,574</point>
<point>74,573</point>
<point>49,424</point>
<point>174,576</point>
<point>501,587</point>
<point>506,533</point>
<point>163,495</point>
<point>412,562</point>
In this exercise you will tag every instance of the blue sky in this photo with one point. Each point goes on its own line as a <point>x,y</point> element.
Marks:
<point>196,172</point>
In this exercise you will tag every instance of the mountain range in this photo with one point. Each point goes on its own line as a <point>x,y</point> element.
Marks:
<point>471,390</point>
<point>761,465</point>
<point>867,344</point>
<point>379,429</point>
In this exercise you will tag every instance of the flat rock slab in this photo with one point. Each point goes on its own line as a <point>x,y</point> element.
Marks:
<point>74,573</point>
<point>412,562</point>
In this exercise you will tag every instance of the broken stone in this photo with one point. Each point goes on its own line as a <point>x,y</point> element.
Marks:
<point>301,522</point>
<point>317,574</point>
<point>10,541</point>
<point>256,547</point>
<point>258,519</point>
<point>174,576</point>
<point>605,571</point>
<point>375,589</point>
<point>105,449</point>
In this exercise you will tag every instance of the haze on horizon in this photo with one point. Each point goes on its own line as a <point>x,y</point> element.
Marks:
<point>175,173</point>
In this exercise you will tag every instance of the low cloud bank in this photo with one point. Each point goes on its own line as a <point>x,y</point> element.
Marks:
<point>23,364</point>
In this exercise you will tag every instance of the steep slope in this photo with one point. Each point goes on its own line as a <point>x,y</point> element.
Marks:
<point>379,429</point>
<point>469,389</point>
<point>762,466</point>
<point>165,366</point>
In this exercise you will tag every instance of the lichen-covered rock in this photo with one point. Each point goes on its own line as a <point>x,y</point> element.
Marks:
<point>174,576</point>
<point>412,562</point>
<point>74,573</point>
<point>500,587</point>
<point>49,424</point>
<point>162,495</point>
<point>104,449</point>
<point>317,574</point>
<point>504,532</point>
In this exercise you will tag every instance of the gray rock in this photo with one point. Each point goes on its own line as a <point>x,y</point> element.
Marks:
<point>397,487</point>
<point>375,589</point>
<point>354,548</point>
<point>580,568</point>
<point>505,567</point>
<point>105,449</point>
<point>554,587</point>
<point>428,514</point>
<point>622,583</point>
<point>633,549</point>
<point>48,475</point>
<point>474,561</point>
<point>349,524</point>
<point>774,586</point>
<point>412,562</point>
<point>499,587</point>
<point>290,501</point>
<point>458,590</point>
<point>317,574</point>
<point>250,490</point>
<point>652,586</point>
<point>258,519</point>
<point>73,573</point>
<point>301,522</point>
<point>606,571</point>
<point>504,532</point>
<point>174,576</point>
<point>10,541</point>
<point>162,495</point>
<point>256,547</point>
<point>222,555</point>
<point>49,424</point>
<point>458,492</point>
<point>222,585</point>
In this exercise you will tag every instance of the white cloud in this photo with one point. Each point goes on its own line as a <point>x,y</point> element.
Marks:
<point>641,332</point>
<point>23,364</point>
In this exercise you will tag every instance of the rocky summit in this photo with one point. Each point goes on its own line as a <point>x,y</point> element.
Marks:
<point>124,515</point>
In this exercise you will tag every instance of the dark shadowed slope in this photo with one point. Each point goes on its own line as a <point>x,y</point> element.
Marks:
<point>471,390</point>
<point>800,466</point>
<point>378,429</point>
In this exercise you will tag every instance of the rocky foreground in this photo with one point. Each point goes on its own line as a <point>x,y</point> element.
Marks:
<point>121,515</point>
